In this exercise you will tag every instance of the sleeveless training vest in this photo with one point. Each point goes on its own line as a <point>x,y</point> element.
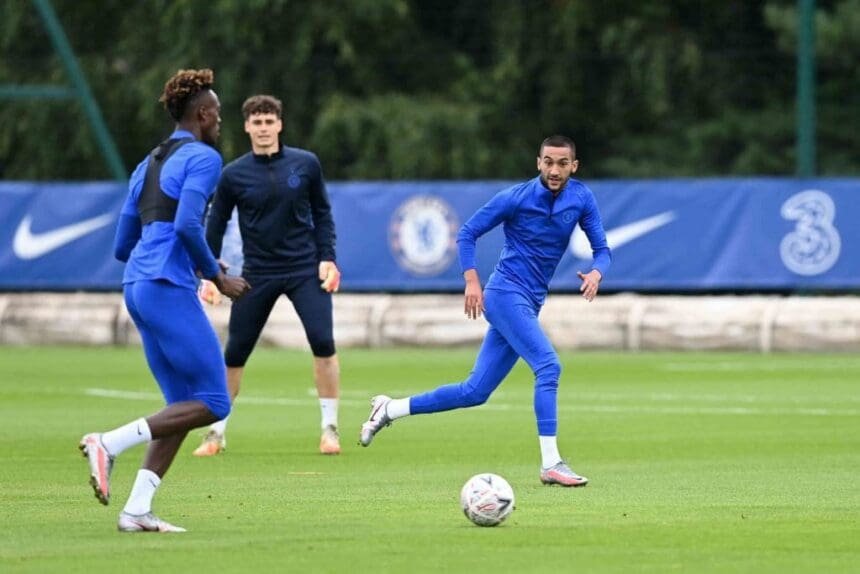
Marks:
<point>153,204</point>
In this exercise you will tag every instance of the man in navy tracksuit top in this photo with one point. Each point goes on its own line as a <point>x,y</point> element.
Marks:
<point>538,217</point>
<point>288,244</point>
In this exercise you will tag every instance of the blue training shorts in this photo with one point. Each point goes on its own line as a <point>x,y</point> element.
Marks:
<point>181,346</point>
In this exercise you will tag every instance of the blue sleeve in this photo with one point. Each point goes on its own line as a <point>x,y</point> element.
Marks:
<point>495,211</point>
<point>128,231</point>
<point>201,175</point>
<point>592,225</point>
<point>128,228</point>
<point>202,171</point>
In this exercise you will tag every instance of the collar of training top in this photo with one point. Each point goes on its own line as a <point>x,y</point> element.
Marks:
<point>265,158</point>
<point>543,186</point>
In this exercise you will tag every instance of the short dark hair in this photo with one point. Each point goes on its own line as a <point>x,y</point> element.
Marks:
<point>182,89</point>
<point>262,104</point>
<point>558,141</point>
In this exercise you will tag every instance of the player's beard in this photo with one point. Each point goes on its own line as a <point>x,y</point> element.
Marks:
<point>546,183</point>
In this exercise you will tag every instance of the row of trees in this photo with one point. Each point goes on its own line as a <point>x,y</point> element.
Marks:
<point>412,89</point>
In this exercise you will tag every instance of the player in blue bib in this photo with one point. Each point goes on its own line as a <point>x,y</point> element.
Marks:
<point>160,237</point>
<point>538,217</point>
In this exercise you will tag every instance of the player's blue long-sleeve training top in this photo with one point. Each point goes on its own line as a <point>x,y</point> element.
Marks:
<point>537,228</point>
<point>175,250</point>
<point>284,213</point>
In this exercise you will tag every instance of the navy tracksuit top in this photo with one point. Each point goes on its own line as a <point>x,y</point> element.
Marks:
<point>284,213</point>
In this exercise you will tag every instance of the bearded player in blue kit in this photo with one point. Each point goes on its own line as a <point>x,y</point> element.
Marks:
<point>160,237</point>
<point>538,218</point>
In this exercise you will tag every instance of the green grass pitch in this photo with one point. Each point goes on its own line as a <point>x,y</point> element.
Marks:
<point>698,463</point>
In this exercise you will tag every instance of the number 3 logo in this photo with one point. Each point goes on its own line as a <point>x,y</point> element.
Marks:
<point>813,247</point>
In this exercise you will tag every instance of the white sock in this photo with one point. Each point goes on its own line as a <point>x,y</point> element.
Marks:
<point>328,410</point>
<point>140,499</point>
<point>134,433</point>
<point>221,426</point>
<point>397,408</point>
<point>549,451</point>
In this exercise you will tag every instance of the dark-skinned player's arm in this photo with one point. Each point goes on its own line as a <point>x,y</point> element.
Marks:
<point>128,227</point>
<point>220,212</point>
<point>201,174</point>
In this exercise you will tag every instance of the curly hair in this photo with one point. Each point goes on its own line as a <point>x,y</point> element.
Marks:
<point>262,104</point>
<point>182,88</point>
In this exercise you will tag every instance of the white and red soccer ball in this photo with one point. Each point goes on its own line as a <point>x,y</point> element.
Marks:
<point>487,499</point>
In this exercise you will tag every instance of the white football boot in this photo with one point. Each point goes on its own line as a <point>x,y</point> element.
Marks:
<point>144,523</point>
<point>376,421</point>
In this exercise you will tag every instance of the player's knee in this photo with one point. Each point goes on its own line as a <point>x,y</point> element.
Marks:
<point>219,406</point>
<point>549,373</point>
<point>323,348</point>
<point>474,396</point>
<point>236,356</point>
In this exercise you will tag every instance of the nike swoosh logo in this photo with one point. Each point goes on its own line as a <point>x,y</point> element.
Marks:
<point>618,236</point>
<point>28,245</point>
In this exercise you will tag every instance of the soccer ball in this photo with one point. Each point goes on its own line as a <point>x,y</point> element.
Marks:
<point>487,499</point>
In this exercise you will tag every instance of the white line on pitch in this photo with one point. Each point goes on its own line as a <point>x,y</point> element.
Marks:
<point>734,366</point>
<point>610,409</point>
<point>652,397</point>
<point>245,400</point>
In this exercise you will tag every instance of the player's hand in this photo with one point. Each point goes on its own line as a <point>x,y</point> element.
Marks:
<point>208,293</point>
<point>232,287</point>
<point>590,284</point>
<point>474,295</point>
<point>330,276</point>
<point>221,265</point>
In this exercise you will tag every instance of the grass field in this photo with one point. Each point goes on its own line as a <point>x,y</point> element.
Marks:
<point>698,463</point>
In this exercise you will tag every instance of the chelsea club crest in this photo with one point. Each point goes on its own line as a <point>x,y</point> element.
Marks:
<point>423,235</point>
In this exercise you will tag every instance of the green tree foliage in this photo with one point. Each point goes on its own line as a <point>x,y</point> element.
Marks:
<point>838,50</point>
<point>411,89</point>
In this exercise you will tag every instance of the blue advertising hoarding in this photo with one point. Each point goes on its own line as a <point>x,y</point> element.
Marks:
<point>666,235</point>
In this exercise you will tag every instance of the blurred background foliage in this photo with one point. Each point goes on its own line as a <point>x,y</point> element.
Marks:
<point>447,89</point>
